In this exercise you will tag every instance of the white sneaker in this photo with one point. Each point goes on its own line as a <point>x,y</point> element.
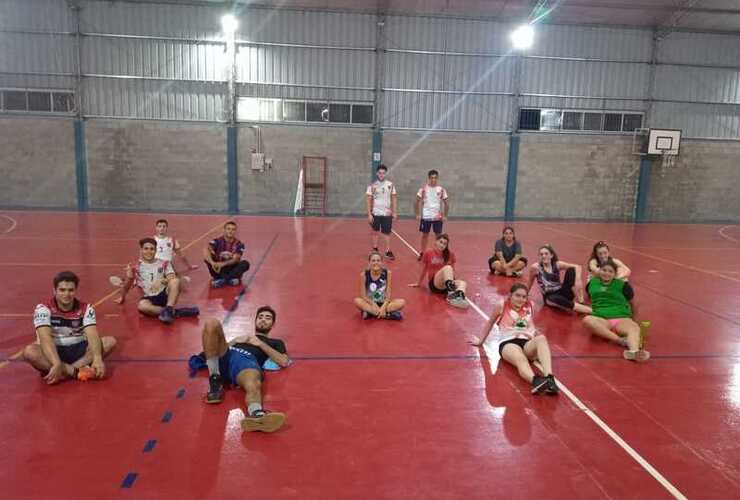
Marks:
<point>457,299</point>
<point>640,356</point>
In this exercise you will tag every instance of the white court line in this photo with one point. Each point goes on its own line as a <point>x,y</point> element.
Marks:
<point>725,236</point>
<point>13,223</point>
<point>590,414</point>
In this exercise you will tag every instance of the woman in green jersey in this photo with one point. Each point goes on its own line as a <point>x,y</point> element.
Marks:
<point>613,310</point>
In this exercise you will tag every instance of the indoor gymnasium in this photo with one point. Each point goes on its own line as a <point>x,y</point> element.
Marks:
<point>392,249</point>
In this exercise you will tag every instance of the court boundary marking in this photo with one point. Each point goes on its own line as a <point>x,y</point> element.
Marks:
<point>13,224</point>
<point>591,414</point>
<point>726,236</point>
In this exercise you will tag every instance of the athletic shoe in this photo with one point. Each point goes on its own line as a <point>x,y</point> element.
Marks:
<point>457,299</point>
<point>539,384</point>
<point>640,356</point>
<point>395,315</point>
<point>552,386</point>
<point>389,255</point>
<point>366,315</point>
<point>84,373</point>
<point>235,282</point>
<point>263,421</point>
<point>167,315</point>
<point>218,283</point>
<point>215,390</point>
<point>185,312</point>
<point>644,329</point>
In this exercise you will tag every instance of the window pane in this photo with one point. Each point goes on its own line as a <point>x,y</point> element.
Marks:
<point>631,122</point>
<point>15,100</point>
<point>63,102</point>
<point>294,111</point>
<point>270,110</point>
<point>572,120</point>
<point>529,119</point>
<point>550,119</point>
<point>592,121</point>
<point>362,113</point>
<point>315,112</point>
<point>339,113</point>
<point>248,109</point>
<point>613,122</point>
<point>39,101</point>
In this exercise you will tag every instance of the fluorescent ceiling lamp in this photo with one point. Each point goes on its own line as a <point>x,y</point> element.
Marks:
<point>229,23</point>
<point>522,38</point>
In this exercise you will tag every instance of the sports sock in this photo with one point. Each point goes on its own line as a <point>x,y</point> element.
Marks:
<point>213,368</point>
<point>254,408</point>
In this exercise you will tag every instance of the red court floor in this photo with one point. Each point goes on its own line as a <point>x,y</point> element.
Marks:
<point>375,409</point>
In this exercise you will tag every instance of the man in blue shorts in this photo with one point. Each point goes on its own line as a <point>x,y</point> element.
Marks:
<point>240,363</point>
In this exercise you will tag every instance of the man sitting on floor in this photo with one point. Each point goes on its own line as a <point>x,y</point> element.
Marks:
<point>160,285</point>
<point>223,256</point>
<point>241,362</point>
<point>68,344</point>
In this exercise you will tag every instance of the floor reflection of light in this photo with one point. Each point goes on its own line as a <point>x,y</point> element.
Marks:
<point>734,389</point>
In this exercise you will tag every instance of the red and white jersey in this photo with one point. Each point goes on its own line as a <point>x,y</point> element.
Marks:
<point>67,327</point>
<point>166,247</point>
<point>150,276</point>
<point>381,193</point>
<point>431,201</point>
<point>517,324</point>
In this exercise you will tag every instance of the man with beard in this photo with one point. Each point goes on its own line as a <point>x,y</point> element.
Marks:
<point>241,362</point>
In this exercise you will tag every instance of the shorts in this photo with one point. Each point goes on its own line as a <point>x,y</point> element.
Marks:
<point>519,342</point>
<point>159,300</point>
<point>613,322</point>
<point>426,224</point>
<point>71,353</point>
<point>382,223</point>
<point>234,361</point>
<point>495,258</point>
<point>434,289</point>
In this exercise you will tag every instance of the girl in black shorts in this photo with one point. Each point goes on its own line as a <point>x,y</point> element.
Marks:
<point>521,342</point>
<point>566,294</point>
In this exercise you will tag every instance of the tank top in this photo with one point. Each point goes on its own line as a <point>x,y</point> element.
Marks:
<point>517,324</point>
<point>375,289</point>
<point>549,282</point>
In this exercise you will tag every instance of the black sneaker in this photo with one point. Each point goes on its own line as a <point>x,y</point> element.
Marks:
<point>215,390</point>
<point>539,384</point>
<point>186,312</point>
<point>167,315</point>
<point>552,386</point>
<point>389,255</point>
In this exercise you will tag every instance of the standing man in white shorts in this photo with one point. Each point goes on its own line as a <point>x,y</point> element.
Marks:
<point>431,208</point>
<point>382,204</point>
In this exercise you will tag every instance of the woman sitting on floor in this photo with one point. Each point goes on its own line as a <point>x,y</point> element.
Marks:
<point>521,342</point>
<point>566,294</point>
<point>613,310</point>
<point>375,292</point>
<point>507,257</point>
<point>601,254</point>
<point>437,264</point>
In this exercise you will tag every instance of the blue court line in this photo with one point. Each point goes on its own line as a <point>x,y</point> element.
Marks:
<point>149,446</point>
<point>167,417</point>
<point>251,277</point>
<point>128,481</point>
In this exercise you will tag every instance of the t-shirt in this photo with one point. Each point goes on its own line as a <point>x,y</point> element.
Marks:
<point>610,301</point>
<point>258,353</point>
<point>431,201</point>
<point>381,193</point>
<point>508,251</point>
<point>67,327</point>
<point>434,260</point>
<point>517,324</point>
<point>150,276</point>
<point>165,248</point>
<point>224,250</point>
